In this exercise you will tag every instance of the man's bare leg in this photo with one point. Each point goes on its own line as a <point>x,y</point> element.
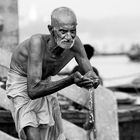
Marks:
<point>44,133</point>
<point>32,133</point>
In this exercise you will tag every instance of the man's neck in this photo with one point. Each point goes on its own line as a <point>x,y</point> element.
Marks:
<point>55,50</point>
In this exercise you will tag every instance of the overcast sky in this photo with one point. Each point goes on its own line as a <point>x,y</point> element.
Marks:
<point>108,24</point>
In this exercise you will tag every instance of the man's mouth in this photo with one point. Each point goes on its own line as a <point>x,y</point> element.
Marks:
<point>67,42</point>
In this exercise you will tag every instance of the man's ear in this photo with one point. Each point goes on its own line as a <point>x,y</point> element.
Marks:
<point>50,28</point>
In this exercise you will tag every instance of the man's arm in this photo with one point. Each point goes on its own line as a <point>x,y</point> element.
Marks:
<point>83,61</point>
<point>81,56</point>
<point>35,86</point>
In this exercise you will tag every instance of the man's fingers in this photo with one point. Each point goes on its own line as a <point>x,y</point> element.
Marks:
<point>85,84</point>
<point>88,83</point>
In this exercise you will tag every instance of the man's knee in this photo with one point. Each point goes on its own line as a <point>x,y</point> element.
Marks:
<point>32,133</point>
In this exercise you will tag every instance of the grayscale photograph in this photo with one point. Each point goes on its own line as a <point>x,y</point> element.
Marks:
<point>69,70</point>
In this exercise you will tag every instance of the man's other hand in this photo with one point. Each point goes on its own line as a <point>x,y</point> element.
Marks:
<point>95,79</point>
<point>85,81</point>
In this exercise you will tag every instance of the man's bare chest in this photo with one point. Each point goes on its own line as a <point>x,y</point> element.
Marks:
<point>51,65</point>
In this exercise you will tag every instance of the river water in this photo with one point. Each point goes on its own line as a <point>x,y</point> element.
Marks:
<point>114,69</point>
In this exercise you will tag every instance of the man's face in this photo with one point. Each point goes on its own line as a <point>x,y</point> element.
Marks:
<point>64,35</point>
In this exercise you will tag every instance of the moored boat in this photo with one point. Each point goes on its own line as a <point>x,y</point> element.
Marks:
<point>134,53</point>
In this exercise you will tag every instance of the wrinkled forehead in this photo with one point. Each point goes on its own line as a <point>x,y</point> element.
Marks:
<point>64,22</point>
<point>63,25</point>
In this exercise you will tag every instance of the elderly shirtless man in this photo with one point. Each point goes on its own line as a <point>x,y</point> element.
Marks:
<point>30,89</point>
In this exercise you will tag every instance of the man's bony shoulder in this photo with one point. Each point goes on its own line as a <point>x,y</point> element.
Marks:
<point>39,39</point>
<point>77,41</point>
<point>35,38</point>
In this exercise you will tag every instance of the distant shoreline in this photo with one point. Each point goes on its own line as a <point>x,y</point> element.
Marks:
<point>109,54</point>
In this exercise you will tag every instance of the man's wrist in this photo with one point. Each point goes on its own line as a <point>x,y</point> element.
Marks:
<point>72,78</point>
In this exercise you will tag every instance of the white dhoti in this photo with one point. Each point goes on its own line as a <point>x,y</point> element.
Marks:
<point>43,112</point>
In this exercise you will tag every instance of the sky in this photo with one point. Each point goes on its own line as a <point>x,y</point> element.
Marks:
<point>108,25</point>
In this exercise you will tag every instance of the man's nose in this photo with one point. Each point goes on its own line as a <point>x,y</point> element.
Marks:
<point>68,36</point>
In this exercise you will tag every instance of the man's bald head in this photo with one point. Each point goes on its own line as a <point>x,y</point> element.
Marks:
<point>63,16</point>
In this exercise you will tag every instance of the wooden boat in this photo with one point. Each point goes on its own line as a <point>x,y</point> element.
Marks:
<point>134,53</point>
<point>129,88</point>
<point>128,83</point>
